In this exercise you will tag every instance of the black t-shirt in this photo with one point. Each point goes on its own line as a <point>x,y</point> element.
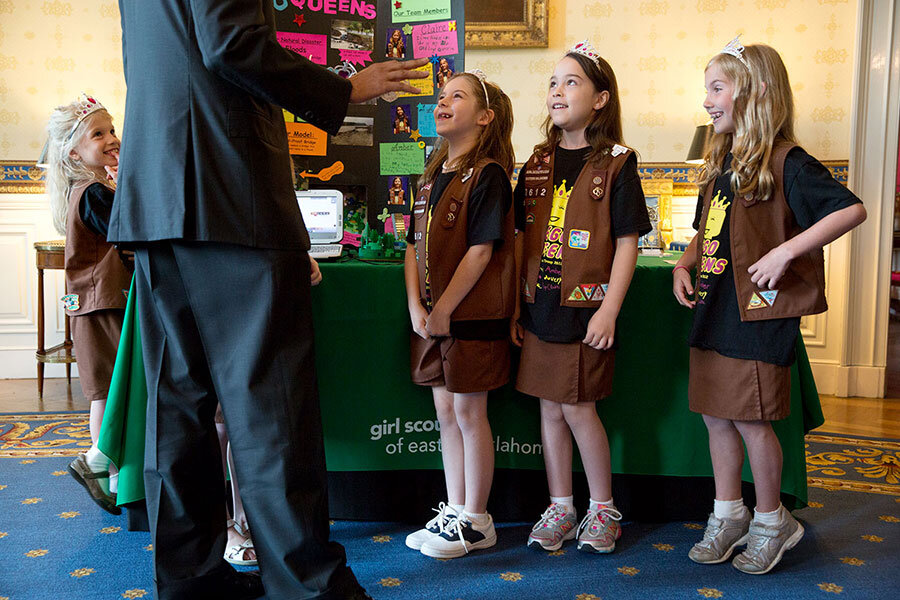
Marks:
<point>628,212</point>
<point>489,202</point>
<point>812,194</point>
<point>95,207</point>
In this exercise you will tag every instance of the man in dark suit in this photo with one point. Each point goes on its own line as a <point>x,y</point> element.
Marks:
<point>222,277</point>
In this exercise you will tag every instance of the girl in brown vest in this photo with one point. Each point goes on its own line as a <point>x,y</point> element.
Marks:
<point>460,283</point>
<point>581,209</point>
<point>765,211</point>
<point>83,157</point>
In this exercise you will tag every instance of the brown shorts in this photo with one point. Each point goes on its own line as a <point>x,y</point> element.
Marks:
<point>738,389</point>
<point>96,337</point>
<point>566,373</point>
<point>464,366</point>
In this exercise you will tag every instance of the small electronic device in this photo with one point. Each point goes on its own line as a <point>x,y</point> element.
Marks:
<point>323,213</point>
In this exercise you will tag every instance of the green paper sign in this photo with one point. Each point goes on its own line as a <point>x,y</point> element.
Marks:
<point>420,10</point>
<point>402,158</point>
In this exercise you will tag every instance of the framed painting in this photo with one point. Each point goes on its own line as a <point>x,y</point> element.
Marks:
<point>506,23</point>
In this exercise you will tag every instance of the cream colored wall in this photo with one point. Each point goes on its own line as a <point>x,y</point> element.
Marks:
<point>50,51</point>
<point>659,49</point>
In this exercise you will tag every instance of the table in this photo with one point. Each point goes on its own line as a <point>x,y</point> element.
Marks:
<point>51,255</point>
<point>381,430</point>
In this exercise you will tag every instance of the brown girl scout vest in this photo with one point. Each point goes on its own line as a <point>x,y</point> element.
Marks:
<point>586,243</point>
<point>493,296</point>
<point>758,226</point>
<point>96,278</point>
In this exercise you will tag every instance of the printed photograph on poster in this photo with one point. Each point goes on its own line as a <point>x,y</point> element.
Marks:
<point>400,119</point>
<point>398,190</point>
<point>396,44</point>
<point>355,131</point>
<point>445,70</point>
<point>352,35</point>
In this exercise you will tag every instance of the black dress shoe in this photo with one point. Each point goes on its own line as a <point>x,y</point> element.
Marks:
<point>360,594</point>
<point>244,585</point>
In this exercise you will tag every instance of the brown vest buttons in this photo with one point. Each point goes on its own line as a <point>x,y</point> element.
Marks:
<point>598,180</point>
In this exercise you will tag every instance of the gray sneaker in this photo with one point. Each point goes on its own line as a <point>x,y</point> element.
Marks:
<point>766,545</point>
<point>720,539</point>
<point>557,525</point>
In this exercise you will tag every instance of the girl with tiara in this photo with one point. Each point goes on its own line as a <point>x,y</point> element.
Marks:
<point>83,157</point>
<point>765,210</point>
<point>460,284</point>
<point>581,210</point>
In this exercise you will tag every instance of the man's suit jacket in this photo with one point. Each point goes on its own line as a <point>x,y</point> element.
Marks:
<point>204,150</point>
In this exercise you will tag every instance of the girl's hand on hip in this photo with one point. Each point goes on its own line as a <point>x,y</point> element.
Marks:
<point>767,271</point>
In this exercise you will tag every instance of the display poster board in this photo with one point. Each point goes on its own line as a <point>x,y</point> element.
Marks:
<point>380,151</point>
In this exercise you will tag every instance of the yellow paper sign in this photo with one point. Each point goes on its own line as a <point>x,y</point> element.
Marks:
<point>306,139</point>
<point>426,86</point>
<point>288,116</point>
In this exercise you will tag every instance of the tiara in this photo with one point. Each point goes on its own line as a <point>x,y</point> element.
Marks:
<point>479,74</point>
<point>736,49</point>
<point>87,106</point>
<point>584,48</point>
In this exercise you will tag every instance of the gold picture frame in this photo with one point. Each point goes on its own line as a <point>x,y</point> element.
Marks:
<point>507,23</point>
<point>658,195</point>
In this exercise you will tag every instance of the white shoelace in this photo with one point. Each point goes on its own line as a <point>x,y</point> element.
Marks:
<point>592,515</point>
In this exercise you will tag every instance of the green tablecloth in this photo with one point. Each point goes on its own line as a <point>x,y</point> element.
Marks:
<point>375,419</point>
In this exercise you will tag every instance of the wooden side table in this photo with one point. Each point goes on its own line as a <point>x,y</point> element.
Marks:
<point>51,255</point>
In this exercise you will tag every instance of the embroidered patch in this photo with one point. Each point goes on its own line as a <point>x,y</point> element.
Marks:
<point>604,287</point>
<point>125,293</point>
<point>756,302</point>
<point>525,289</point>
<point>769,296</point>
<point>577,295</point>
<point>579,239</point>
<point>529,218</point>
<point>425,187</point>
<point>598,294</point>
<point>71,302</point>
<point>617,150</point>
<point>588,289</point>
<point>468,174</point>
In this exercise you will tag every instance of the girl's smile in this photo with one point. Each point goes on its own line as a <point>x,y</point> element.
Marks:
<point>719,102</point>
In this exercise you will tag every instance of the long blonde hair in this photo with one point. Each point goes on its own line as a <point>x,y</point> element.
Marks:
<point>495,140</point>
<point>64,170</point>
<point>605,127</point>
<point>763,115</point>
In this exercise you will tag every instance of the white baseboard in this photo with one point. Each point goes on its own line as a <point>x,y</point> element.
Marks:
<point>846,381</point>
<point>21,364</point>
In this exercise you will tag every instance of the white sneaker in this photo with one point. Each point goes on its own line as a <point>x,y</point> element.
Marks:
<point>433,527</point>
<point>460,537</point>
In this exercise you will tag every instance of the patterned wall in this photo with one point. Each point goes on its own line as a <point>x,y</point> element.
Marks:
<point>50,50</point>
<point>659,48</point>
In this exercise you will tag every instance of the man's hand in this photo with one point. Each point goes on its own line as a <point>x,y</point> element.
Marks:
<point>387,76</point>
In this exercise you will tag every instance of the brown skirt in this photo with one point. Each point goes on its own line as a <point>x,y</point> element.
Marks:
<point>738,389</point>
<point>96,337</point>
<point>463,366</point>
<point>565,373</point>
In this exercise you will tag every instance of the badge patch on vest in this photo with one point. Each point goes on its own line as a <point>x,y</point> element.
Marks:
<point>756,302</point>
<point>579,239</point>
<point>587,292</point>
<point>529,218</point>
<point>769,296</point>
<point>468,174</point>
<point>71,302</point>
<point>617,150</point>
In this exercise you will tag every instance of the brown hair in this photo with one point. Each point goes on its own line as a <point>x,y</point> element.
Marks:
<point>495,140</point>
<point>762,115</point>
<point>605,128</point>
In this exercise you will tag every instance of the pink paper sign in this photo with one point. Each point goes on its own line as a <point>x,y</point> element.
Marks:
<point>308,45</point>
<point>356,56</point>
<point>435,39</point>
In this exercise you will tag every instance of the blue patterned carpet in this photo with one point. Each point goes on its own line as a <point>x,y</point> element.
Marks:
<point>56,544</point>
